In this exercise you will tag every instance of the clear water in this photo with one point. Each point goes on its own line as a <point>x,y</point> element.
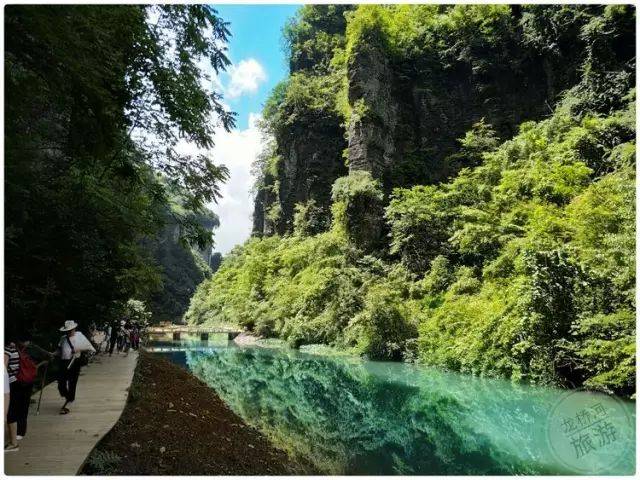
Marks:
<point>343,415</point>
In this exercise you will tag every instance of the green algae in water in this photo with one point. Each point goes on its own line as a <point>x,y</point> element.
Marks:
<point>351,416</point>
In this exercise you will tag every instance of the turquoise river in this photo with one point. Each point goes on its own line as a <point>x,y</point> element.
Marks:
<point>345,415</point>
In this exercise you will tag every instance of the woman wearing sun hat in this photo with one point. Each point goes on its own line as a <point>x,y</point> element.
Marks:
<point>70,349</point>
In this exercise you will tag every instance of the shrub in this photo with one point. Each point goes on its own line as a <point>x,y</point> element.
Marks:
<point>310,219</point>
<point>103,462</point>
<point>358,212</point>
<point>382,329</point>
<point>605,347</point>
<point>420,225</point>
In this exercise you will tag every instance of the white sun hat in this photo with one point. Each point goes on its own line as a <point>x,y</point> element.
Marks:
<point>68,325</point>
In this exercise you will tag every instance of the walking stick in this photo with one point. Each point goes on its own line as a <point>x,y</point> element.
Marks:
<point>44,377</point>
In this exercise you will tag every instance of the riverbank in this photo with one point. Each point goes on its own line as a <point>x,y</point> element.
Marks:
<point>173,424</point>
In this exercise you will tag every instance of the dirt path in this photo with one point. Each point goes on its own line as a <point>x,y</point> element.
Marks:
<point>174,424</point>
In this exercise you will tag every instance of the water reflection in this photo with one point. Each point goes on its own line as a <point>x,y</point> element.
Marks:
<point>351,416</point>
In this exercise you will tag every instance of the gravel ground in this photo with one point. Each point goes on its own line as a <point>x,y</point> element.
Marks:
<point>174,424</point>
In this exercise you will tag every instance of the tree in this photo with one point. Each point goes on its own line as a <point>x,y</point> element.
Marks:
<point>97,98</point>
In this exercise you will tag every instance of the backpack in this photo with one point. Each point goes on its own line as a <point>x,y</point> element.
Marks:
<point>28,370</point>
<point>83,360</point>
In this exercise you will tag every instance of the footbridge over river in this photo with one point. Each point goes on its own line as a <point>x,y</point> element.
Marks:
<point>177,331</point>
<point>180,349</point>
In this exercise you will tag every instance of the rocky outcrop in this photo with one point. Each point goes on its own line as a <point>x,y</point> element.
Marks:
<point>259,212</point>
<point>310,161</point>
<point>313,163</point>
<point>408,116</point>
<point>374,118</point>
<point>182,268</point>
<point>409,107</point>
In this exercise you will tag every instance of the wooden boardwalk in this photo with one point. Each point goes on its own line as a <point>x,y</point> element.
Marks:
<point>59,444</point>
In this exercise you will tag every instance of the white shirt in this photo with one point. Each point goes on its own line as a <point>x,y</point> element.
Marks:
<point>79,342</point>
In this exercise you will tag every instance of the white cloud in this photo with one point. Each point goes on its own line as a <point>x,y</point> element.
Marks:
<point>245,77</point>
<point>237,150</point>
<point>254,118</point>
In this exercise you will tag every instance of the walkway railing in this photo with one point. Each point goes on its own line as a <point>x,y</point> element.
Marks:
<point>180,349</point>
<point>176,331</point>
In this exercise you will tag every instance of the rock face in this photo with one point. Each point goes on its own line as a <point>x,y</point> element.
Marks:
<point>407,116</point>
<point>182,269</point>
<point>403,127</point>
<point>259,226</point>
<point>310,161</point>
<point>374,121</point>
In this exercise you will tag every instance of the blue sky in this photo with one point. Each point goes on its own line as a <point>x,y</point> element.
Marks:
<point>255,50</point>
<point>257,33</point>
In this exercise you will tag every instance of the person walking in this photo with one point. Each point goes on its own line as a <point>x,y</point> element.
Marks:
<point>106,329</point>
<point>113,336</point>
<point>7,399</point>
<point>127,338</point>
<point>135,337</point>
<point>121,336</point>
<point>12,365</point>
<point>25,378</point>
<point>70,349</point>
<point>97,339</point>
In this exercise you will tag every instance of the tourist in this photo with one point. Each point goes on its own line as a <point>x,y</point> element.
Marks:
<point>7,399</point>
<point>107,336</point>
<point>106,328</point>
<point>70,349</point>
<point>135,337</point>
<point>113,336</point>
<point>98,339</point>
<point>122,335</point>
<point>12,366</point>
<point>22,388</point>
<point>127,337</point>
<point>95,336</point>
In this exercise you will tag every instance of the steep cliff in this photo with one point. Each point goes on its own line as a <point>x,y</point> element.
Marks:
<point>399,86</point>
<point>307,161</point>
<point>182,267</point>
<point>305,124</point>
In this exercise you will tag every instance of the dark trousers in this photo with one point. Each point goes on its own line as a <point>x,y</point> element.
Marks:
<point>112,342</point>
<point>19,399</point>
<point>68,379</point>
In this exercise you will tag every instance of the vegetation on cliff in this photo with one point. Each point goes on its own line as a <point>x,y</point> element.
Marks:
<point>182,266</point>
<point>509,251</point>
